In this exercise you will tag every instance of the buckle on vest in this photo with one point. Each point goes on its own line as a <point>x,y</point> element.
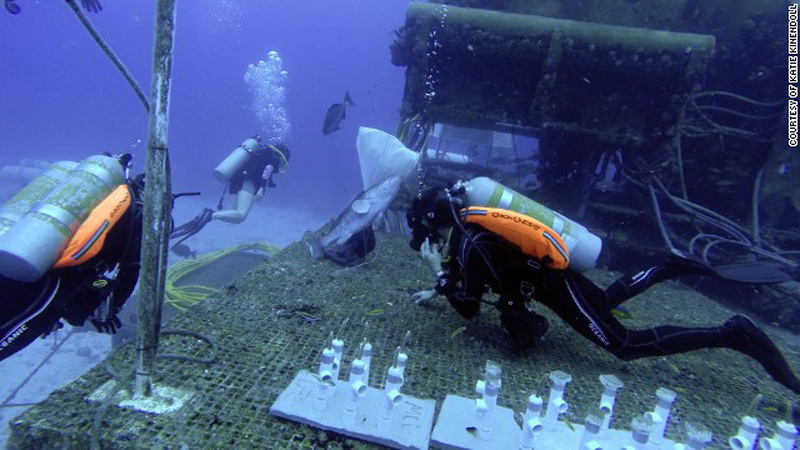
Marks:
<point>526,288</point>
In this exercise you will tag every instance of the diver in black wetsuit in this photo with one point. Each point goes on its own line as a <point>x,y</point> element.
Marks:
<point>250,182</point>
<point>96,289</point>
<point>248,171</point>
<point>480,258</point>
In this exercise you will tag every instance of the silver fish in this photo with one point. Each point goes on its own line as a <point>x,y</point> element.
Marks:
<point>359,214</point>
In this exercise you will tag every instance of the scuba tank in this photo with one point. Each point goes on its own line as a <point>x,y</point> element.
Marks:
<point>24,172</point>
<point>13,210</point>
<point>584,247</point>
<point>30,247</point>
<point>234,162</point>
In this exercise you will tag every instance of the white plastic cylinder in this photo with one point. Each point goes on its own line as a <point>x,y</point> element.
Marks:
<point>484,421</point>
<point>698,436</point>
<point>534,409</point>
<point>402,359</point>
<point>366,356</point>
<point>584,247</point>
<point>390,400</point>
<point>321,394</point>
<point>641,428</point>
<point>357,386</point>
<point>611,384</point>
<point>326,363</point>
<point>531,428</point>
<point>745,438</point>
<point>338,349</point>
<point>556,404</point>
<point>784,438</point>
<point>235,160</point>
<point>660,415</point>
<point>591,429</point>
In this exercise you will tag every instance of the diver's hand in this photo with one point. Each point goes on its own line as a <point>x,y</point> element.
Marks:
<point>259,194</point>
<point>430,254</point>
<point>422,297</point>
<point>108,326</point>
<point>92,5</point>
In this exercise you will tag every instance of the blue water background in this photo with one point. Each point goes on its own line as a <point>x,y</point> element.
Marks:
<point>63,99</point>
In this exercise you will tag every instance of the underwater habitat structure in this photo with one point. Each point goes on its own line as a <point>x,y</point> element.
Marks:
<point>619,125</point>
<point>667,115</point>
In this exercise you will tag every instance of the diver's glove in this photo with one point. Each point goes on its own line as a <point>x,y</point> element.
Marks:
<point>108,326</point>
<point>430,254</point>
<point>422,297</point>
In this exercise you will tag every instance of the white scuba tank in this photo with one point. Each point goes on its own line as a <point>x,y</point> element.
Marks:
<point>234,162</point>
<point>14,209</point>
<point>584,247</point>
<point>31,246</point>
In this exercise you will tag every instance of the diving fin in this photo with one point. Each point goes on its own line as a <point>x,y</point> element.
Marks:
<point>751,272</point>
<point>756,272</point>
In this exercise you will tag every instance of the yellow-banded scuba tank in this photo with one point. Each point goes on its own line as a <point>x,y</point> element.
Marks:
<point>16,207</point>
<point>24,172</point>
<point>531,236</point>
<point>234,162</point>
<point>31,246</point>
<point>584,247</point>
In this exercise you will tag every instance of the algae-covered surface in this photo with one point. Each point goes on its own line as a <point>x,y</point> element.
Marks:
<point>275,320</point>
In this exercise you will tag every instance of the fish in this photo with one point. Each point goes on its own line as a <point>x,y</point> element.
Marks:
<point>335,114</point>
<point>361,213</point>
<point>184,251</point>
<point>622,312</point>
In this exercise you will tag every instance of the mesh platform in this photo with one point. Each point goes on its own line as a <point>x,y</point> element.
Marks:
<point>275,320</point>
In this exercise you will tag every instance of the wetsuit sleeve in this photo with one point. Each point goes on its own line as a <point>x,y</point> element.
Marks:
<point>463,282</point>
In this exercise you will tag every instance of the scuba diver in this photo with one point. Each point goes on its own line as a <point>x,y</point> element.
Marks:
<point>95,273</point>
<point>247,170</point>
<point>476,257</point>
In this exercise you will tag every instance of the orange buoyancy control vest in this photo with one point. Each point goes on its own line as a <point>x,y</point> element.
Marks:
<point>531,236</point>
<point>90,237</point>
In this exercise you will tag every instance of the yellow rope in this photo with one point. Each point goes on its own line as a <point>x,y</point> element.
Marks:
<point>184,296</point>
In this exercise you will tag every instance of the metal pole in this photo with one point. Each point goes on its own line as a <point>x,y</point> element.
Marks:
<point>157,204</point>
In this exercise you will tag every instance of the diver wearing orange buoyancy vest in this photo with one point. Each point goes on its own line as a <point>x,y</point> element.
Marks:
<point>525,261</point>
<point>93,277</point>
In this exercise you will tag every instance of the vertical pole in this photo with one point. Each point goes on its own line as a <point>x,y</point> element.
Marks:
<point>157,203</point>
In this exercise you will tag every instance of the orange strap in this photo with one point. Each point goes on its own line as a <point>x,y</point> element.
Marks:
<point>91,235</point>
<point>531,236</point>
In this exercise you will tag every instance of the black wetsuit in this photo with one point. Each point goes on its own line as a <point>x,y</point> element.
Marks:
<point>253,171</point>
<point>30,310</point>
<point>517,277</point>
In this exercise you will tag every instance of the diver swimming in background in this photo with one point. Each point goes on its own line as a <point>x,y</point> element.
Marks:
<point>247,170</point>
<point>478,258</point>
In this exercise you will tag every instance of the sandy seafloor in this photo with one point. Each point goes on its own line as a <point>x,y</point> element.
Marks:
<point>306,300</point>
<point>31,374</point>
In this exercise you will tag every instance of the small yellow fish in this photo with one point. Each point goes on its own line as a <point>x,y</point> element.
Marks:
<point>457,332</point>
<point>374,312</point>
<point>769,408</point>
<point>569,424</point>
<point>673,366</point>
